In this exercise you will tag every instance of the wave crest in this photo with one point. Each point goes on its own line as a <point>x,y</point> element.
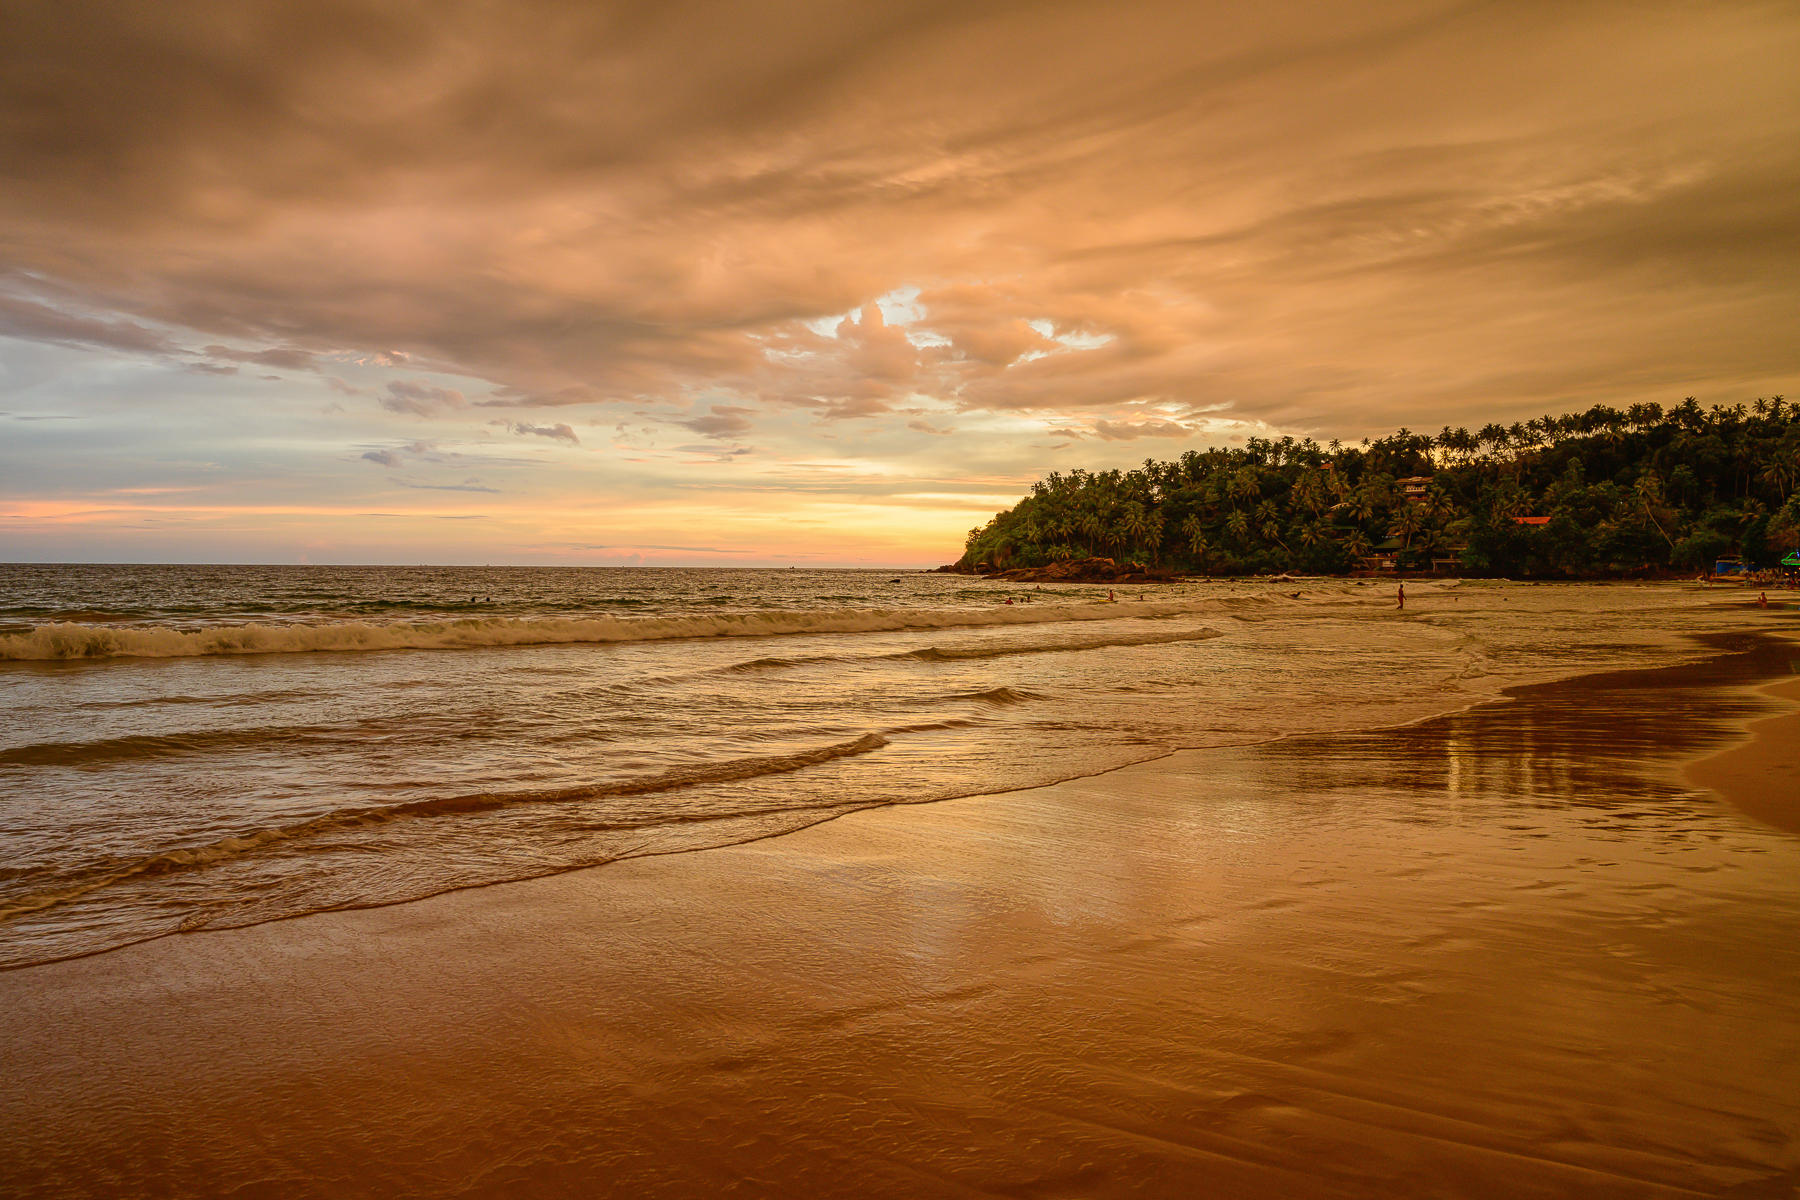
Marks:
<point>68,641</point>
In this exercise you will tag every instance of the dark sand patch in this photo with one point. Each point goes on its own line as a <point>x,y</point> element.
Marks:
<point>1504,953</point>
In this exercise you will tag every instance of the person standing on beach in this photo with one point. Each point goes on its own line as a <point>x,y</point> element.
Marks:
<point>1402,603</point>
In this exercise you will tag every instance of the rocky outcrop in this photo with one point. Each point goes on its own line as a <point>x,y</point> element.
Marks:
<point>1084,570</point>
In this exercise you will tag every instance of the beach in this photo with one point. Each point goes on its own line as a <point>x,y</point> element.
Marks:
<point>1509,949</point>
<point>1761,773</point>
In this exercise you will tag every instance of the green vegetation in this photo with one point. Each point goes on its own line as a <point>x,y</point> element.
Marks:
<point>1641,490</point>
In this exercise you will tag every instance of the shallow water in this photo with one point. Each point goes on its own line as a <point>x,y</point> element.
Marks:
<point>1503,952</point>
<point>194,747</point>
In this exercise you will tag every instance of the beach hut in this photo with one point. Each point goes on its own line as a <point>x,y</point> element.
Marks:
<point>1414,487</point>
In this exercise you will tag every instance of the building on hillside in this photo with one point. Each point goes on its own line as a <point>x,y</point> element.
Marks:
<point>1382,557</point>
<point>1414,487</point>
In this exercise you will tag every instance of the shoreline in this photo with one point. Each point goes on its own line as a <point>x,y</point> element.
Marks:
<point>1452,957</point>
<point>1695,651</point>
<point>1760,775</point>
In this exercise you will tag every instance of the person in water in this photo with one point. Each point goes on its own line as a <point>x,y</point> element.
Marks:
<point>1402,603</point>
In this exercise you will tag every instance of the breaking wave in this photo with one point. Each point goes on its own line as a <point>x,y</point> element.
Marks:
<point>77,641</point>
<point>999,695</point>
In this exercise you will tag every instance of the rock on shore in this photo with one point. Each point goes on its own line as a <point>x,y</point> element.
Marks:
<point>1084,570</point>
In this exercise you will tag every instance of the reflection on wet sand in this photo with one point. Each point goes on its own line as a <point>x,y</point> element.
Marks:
<point>1505,952</point>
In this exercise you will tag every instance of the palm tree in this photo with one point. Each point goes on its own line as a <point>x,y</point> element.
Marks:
<point>1195,533</point>
<point>1134,524</point>
<point>1309,493</point>
<point>1270,531</point>
<point>1092,528</point>
<point>1649,491</point>
<point>1153,535</point>
<point>1780,473</point>
<point>1406,523</point>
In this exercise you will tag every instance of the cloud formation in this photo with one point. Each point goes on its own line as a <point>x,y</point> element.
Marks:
<point>1124,431</point>
<point>1307,208</point>
<point>420,399</point>
<point>31,320</point>
<point>854,228</point>
<point>558,433</point>
<point>723,421</point>
<point>290,357</point>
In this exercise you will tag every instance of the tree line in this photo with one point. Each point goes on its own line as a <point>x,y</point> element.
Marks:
<point>1603,492</point>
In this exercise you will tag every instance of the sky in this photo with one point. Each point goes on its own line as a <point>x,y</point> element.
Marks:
<point>812,283</point>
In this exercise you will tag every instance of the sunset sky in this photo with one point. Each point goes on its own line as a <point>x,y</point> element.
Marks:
<point>829,283</point>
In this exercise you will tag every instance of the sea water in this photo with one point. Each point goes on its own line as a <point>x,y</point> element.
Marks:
<point>189,747</point>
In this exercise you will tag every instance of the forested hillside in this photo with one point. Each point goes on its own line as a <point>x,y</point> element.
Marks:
<point>1607,492</point>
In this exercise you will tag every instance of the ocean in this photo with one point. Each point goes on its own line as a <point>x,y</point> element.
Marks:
<point>195,747</point>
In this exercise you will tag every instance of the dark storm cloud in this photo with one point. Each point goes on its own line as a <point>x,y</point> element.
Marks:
<point>1320,213</point>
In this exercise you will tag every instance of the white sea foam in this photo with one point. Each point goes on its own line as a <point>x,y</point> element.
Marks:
<point>191,858</point>
<point>76,641</point>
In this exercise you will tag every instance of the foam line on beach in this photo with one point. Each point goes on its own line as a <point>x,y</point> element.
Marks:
<point>191,858</point>
<point>965,653</point>
<point>76,641</point>
<point>1124,639</point>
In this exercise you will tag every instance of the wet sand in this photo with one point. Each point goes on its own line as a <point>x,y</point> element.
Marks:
<point>1507,952</point>
<point>1761,774</point>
